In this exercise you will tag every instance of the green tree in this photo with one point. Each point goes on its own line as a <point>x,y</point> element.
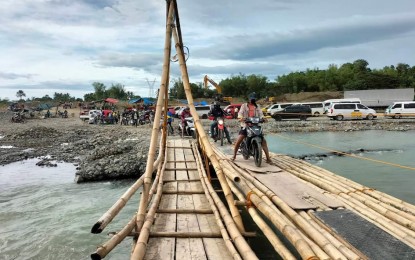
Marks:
<point>20,94</point>
<point>100,90</point>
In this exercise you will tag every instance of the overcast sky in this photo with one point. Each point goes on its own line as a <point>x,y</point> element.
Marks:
<point>64,46</point>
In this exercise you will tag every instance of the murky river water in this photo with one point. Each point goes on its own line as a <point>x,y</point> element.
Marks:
<point>44,215</point>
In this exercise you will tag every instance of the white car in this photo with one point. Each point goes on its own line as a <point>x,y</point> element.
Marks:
<point>399,109</point>
<point>278,107</point>
<point>340,111</point>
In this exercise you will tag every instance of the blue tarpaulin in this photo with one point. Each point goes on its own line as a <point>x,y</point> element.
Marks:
<point>134,100</point>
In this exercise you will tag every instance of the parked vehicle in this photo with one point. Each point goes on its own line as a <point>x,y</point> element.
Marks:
<point>18,117</point>
<point>230,109</point>
<point>329,102</point>
<point>400,109</point>
<point>202,111</point>
<point>317,108</point>
<point>295,111</point>
<point>340,111</point>
<point>278,107</point>
<point>252,143</point>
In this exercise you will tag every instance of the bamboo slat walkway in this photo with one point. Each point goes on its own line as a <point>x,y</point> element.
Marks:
<point>184,212</point>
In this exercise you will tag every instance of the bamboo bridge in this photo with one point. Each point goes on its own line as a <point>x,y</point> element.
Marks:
<point>195,202</point>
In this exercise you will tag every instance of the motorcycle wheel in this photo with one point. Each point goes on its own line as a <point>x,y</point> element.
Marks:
<point>244,150</point>
<point>257,153</point>
<point>221,136</point>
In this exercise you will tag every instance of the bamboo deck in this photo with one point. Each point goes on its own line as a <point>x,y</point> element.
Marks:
<point>183,194</point>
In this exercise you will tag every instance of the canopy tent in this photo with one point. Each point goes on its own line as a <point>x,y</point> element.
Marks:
<point>111,100</point>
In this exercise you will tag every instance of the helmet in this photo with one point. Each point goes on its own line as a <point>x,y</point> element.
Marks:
<point>216,104</point>
<point>252,96</point>
<point>186,108</point>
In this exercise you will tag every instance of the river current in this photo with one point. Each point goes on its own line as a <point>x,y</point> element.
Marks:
<point>45,215</point>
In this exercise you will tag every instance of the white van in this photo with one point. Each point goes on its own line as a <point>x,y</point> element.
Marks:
<point>328,102</point>
<point>317,108</point>
<point>202,111</point>
<point>340,111</point>
<point>278,107</point>
<point>399,109</point>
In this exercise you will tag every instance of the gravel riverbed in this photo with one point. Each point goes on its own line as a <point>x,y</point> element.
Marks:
<point>105,152</point>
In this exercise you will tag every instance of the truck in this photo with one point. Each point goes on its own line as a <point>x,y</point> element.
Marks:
<point>380,99</point>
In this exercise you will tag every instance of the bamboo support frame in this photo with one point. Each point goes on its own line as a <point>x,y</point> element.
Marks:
<point>215,204</point>
<point>203,137</point>
<point>141,245</point>
<point>142,210</point>
<point>269,234</point>
<point>108,216</point>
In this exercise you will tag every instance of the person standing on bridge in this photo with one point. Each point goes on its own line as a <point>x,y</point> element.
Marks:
<point>250,109</point>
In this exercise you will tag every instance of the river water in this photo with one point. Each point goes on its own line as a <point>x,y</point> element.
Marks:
<point>45,215</point>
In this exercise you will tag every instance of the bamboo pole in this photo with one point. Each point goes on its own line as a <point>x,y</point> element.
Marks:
<point>222,217</point>
<point>269,234</point>
<point>104,249</point>
<point>164,78</point>
<point>141,245</point>
<point>108,216</point>
<point>394,214</point>
<point>203,137</point>
<point>309,229</point>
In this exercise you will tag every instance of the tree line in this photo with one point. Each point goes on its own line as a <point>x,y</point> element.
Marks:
<point>348,76</point>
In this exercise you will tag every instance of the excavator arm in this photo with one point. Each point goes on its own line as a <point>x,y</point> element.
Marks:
<point>219,95</point>
<point>206,79</point>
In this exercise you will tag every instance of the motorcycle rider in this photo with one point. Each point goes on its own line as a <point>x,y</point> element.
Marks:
<point>216,111</point>
<point>250,109</point>
<point>185,113</point>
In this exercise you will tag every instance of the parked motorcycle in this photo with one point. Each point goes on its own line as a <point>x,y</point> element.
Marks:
<point>18,117</point>
<point>189,128</point>
<point>252,143</point>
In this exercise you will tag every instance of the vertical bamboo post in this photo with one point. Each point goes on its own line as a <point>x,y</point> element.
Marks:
<point>203,137</point>
<point>152,150</point>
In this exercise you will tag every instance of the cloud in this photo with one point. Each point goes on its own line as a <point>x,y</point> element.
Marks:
<point>354,31</point>
<point>4,75</point>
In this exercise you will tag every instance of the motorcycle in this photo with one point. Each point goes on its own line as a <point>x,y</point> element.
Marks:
<point>252,143</point>
<point>219,131</point>
<point>189,128</point>
<point>18,117</point>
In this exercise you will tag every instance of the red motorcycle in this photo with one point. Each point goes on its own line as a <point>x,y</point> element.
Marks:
<point>220,131</point>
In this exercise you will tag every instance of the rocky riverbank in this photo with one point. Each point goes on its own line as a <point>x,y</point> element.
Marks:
<point>103,152</point>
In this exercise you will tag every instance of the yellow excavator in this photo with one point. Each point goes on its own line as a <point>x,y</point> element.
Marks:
<point>219,95</point>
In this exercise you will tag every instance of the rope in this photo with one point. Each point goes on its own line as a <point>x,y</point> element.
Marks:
<point>348,154</point>
<point>248,200</point>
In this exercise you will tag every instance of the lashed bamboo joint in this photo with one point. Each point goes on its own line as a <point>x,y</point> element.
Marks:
<point>181,213</point>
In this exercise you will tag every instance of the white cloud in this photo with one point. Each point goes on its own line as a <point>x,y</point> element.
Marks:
<point>52,46</point>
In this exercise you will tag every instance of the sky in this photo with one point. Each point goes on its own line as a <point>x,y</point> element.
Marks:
<point>63,46</point>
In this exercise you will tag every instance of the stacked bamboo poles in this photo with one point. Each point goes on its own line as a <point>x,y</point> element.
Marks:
<point>271,212</point>
<point>334,248</point>
<point>389,217</point>
<point>271,236</point>
<point>214,205</point>
<point>142,210</point>
<point>203,137</point>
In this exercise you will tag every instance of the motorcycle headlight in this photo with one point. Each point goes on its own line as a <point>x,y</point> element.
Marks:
<point>220,122</point>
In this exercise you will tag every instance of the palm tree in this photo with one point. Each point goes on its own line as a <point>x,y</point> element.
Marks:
<point>20,94</point>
